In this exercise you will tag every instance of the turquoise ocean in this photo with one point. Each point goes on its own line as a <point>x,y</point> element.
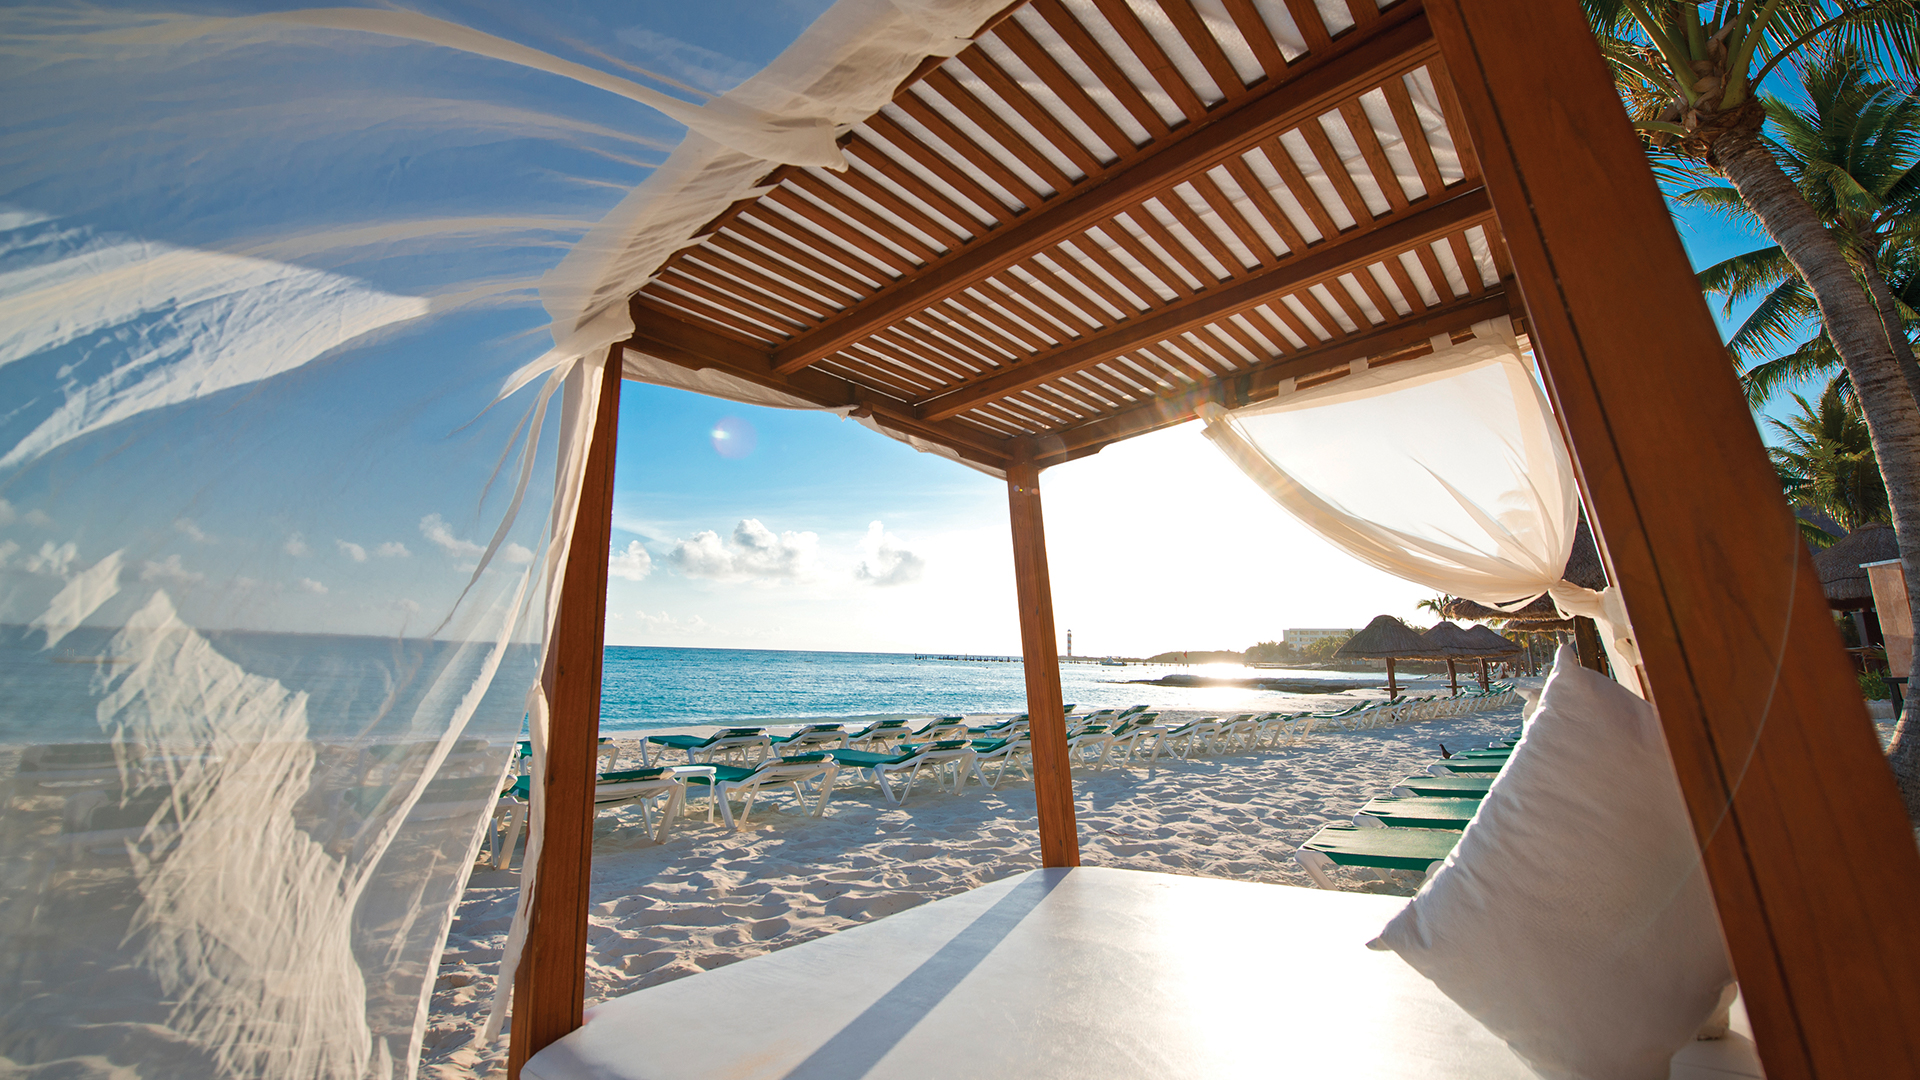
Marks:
<point>662,687</point>
<point>371,686</point>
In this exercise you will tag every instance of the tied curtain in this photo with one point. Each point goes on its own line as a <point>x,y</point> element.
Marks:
<point>1445,469</point>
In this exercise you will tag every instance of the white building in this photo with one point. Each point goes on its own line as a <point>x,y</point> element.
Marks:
<point>1302,639</point>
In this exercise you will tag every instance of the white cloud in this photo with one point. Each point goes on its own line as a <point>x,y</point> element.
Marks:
<point>351,550</point>
<point>435,529</point>
<point>634,564</point>
<point>53,561</point>
<point>170,571</point>
<point>7,549</point>
<point>185,527</point>
<point>514,553</point>
<point>392,549</point>
<point>9,515</point>
<point>665,625</point>
<point>407,607</point>
<point>307,584</point>
<point>296,545</point>
<point>884,560</point>
<point>752,553</point>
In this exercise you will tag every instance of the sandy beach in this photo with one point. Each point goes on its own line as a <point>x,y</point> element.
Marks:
<point>706,898</point>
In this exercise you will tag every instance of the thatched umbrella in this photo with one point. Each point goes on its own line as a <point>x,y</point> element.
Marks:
<point>1490,644</point>
<point>1385,638</point>
<point>1447,640</point>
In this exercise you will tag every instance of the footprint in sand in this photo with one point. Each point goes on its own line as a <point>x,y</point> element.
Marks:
<point>873,907</point>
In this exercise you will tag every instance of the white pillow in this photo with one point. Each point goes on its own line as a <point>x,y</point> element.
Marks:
<point>1573,918</point>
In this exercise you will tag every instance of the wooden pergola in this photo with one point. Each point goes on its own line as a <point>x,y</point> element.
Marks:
<point>1080,229</point>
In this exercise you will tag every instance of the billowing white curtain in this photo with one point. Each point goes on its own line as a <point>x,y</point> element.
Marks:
<point>303,316</point>
<point>1445,469</point>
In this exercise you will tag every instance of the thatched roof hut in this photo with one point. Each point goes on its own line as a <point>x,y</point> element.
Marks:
<point>1582,569</point>
<point>1385,638</point>
<point>1447,640</point>
<point>1490,643</point>
<point>1839,566</point>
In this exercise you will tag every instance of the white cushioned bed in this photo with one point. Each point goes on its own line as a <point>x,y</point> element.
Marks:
<point>1115,974</point>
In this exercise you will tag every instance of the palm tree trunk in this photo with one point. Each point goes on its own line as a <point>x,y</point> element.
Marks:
<point>1860,337</point>
<point>1892,324</point>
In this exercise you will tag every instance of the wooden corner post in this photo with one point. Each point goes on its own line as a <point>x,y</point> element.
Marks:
<point>550,989</point>
<point>1046,711</point>
<point>1809,853</point>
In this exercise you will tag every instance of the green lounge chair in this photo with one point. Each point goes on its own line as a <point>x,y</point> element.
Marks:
<point>1457,765</point>
<point>1419,850</point>
<point>1417,813</point>
<point>809,738</point>
<point>1015,747</point>
<point>880,733</point>
<point>798,772</point>
<point>1445,787</point>
<point>937,757</point>
<point>618,788</point>
<point>741,741</point>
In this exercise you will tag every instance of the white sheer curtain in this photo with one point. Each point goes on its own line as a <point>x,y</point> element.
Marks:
<point>1444,469</point>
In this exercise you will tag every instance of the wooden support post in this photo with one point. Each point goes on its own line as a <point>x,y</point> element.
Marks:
<point>1453,678</point>
<point>549,990</point>
<point>1046,710</point>
<point>1392,690</point>
<point>1586,641</point>
<point>1486,682</point>
<point>1809,853</point>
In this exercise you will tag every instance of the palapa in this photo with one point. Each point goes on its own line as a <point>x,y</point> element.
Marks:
<point>1448,640</point>
<point>1385,638</point>
<point>1839,566</point>
<point>1491,644</point>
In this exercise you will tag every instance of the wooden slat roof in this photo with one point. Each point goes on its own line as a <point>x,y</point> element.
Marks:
<point>1099,215</point>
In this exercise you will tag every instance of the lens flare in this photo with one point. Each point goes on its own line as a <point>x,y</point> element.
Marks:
<point>733,438</point>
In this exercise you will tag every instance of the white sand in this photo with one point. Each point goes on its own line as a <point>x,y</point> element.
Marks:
<point>707,898</point>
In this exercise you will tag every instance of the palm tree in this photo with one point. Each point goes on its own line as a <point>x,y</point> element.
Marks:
<point>1690,82</point>
<point>1854,153</point>
<point>1825,459</point>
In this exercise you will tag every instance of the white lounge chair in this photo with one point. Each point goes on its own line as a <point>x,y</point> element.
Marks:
<point>803,773</point>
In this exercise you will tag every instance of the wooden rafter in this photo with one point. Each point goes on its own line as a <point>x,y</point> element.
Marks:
<point>1308,91</point>
<point>1261,381</point>
<point>1319,264</point>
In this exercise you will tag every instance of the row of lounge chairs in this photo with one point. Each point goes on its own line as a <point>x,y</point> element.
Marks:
<point>1415,826</point>
<point>741,764</point>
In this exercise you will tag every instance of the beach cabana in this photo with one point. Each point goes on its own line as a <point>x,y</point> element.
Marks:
<point>1385,638</point>
<point>1010,235</point>
<point>1844,578</point>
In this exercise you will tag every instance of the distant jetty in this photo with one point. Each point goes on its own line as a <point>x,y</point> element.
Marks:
<point>967,657</point>
<point>1285,686</point>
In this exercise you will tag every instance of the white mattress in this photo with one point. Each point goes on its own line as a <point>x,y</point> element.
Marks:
<point>1114,974</point>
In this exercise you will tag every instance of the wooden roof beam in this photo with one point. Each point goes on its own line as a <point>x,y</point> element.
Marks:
<point>1397,235</point>
<point>1262,381</point>
<point>1401,42</point>
<point>666,336</point>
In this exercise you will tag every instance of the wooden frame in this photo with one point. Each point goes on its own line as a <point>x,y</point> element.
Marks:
<point>550,987</point>
<point>1809,852</point>
<point>1021,316</point>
